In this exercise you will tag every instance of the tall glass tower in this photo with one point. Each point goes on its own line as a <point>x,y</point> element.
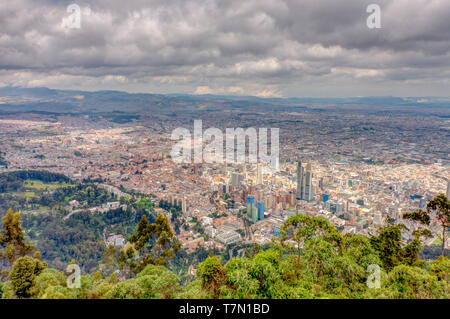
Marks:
<point>250,204</point>
<point>299,180</point>
<point>304,182</point>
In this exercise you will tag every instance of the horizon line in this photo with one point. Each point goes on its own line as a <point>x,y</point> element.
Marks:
<point>224,95</point>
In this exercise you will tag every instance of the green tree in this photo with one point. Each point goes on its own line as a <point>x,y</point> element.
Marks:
<point>299,228</point>
<point>212,275</point>
<point>158,282</point>
<point>252,251</point>
<point>110,259</point>
<point>360,250</point>
<point>154,243</point>
<point>256,277</point>
<point>412,249</point>
<point>441,268</point>
<point>48,278</point>
<point>23,275</point>
<point>130,289</point>
<point>388,244</point>
<point>413,282</point>
<point>12,238</point>
<point>438,207</point>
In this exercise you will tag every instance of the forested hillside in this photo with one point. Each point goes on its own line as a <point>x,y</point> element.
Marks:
<point>310,259</point>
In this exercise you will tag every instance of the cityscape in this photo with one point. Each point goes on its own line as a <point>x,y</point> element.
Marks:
<point>356,168</point>
<point>224,159</point>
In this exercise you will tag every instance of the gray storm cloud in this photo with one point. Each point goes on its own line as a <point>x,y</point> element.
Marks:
<point>255,47</point>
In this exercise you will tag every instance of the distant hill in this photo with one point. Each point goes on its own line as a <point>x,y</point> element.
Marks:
<point>18,99</point>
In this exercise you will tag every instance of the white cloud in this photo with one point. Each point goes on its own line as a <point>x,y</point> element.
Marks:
<point>264,48</point>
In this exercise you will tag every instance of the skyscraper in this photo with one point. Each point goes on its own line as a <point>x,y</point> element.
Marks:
<point>254,214</point>
<point>304,182</point>
<point>275,162</point>
<point>183,206</point>
<point>237,179</point>
<point>308,196</point>
<point>250,204</point>
<point>260,206</point>
<point>299,180</point>
<point>448,189</point>
<point>258,174</point>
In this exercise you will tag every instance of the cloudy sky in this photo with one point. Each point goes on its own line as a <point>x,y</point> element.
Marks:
<point>317,48</point>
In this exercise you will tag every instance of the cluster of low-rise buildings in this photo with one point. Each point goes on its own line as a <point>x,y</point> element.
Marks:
<point>354,171</point>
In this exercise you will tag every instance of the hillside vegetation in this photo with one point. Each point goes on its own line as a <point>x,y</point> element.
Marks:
<point>311,259</point>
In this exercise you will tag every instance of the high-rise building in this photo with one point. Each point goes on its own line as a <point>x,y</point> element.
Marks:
<point>321,184</point>
<point>268,201</point>
<point>237,179</point>
<point>304,182</point>
<point>250,205</point>
<point>260,207</point>
<point>183,206</point>
<point>259,195</point>
<point>275,162</point>
<point>448,189</point>
<point>299,180</point>
<point>244,195</point>
<point>254,214</point>
<point>308,189</point>
<point>258,174</point>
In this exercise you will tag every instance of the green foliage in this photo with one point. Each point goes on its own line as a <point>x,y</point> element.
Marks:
<point>13,181</point>
<point>80,237</point>
<point>194,290</point>
<point>145,204</point>
<point>112,279</point>
<point>212,275</point>
<point>419,215</point>
<point>252,251</point>
<point>412,282</point>
<point>23,276</point>
<point>12,238</point>
<point>441,268</point>
<point>61,239</point>
<point>299,228</point>
<point>8,291</point>
<point>438,208</point>
<point>153,244</point>
<point>158,282</point>
<point>388,244</point>
<point>310,260</point>
<point>130,289</point>
<point>257,277</point>
<point>57,292</point>
<point>47,278</point>
<point>359,249</point>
